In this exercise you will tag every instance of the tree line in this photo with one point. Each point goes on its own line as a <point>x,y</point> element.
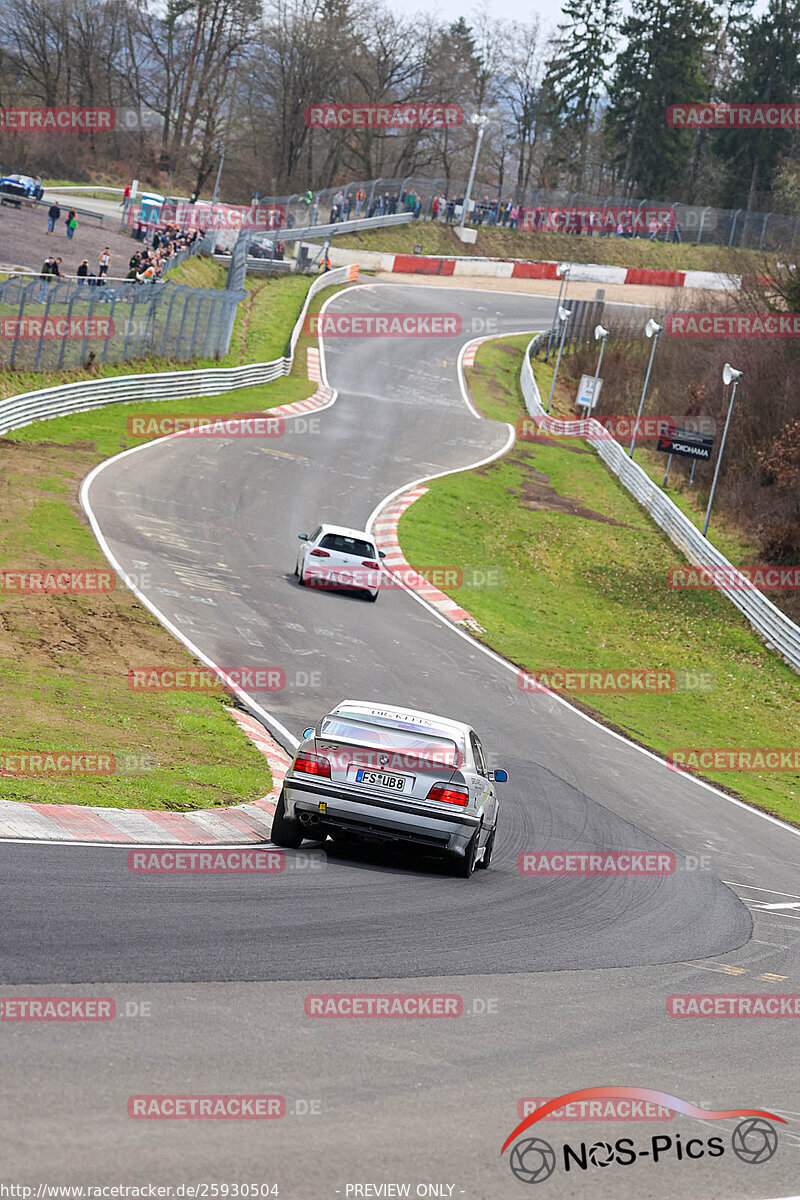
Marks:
<point>581,108</point>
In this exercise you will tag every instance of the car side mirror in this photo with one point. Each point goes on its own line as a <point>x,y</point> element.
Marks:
<point>499,776</point>
<point>303,537</point>
<point>381,554</point>
<point>307,733</point>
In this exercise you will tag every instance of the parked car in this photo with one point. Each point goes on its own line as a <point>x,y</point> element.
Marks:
<point>16,188</point>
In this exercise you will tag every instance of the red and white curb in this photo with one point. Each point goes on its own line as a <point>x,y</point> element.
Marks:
<point>243,824</point>
<point>415,264</point>
<point>312,359</point>
<point>321,399</point>
<point>395,562</point>
<point>468,358</point>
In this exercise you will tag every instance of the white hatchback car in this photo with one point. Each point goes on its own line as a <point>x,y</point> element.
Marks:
<point>335,557</point>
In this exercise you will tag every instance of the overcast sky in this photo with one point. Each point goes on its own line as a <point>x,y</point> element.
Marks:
<point>549,11</point>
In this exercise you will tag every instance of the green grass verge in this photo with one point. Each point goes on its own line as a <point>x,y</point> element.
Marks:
<point>584,574</point>
<point>435,238</point>
<point>64,658</point>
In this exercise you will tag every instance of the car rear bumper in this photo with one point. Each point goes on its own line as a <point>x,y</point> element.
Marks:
<point>389,818</point>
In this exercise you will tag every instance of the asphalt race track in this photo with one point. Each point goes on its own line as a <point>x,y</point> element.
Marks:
<point>564,980</point>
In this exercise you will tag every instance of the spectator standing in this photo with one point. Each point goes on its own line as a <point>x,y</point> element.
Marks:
<point>361,196</point>
<point>45,277</point>
<point>72,223</point>
<point>104,262</point>
<point>513,222</point>
<point>82,272</point>
<point>53,214</point>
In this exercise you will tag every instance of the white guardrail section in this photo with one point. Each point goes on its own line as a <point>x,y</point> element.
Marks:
<point>779,632</point>
<point>60,401</point>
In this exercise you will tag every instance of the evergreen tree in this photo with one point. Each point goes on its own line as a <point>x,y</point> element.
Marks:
<point>577,72</point>
<point>769,62</point>
<point>662,64</point>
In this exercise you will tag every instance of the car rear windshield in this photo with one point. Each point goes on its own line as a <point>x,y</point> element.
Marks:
<point>426,747</point>
<point>347,545</point>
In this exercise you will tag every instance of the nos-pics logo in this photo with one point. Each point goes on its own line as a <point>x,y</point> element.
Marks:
<point>533,1160</point>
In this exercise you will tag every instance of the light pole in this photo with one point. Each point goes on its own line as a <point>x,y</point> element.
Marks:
<point>564,315</point>
<point>563,272</point>
<point>601,336</point>
<point>215,196</point>
<point>729,375</point>
<point>481,120</point>
<point>652,329</point>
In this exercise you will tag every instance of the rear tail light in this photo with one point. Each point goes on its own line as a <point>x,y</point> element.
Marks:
<point>312,764</point>
<point>448,795</point>
<point>367,563</point>
<point>320,554</point>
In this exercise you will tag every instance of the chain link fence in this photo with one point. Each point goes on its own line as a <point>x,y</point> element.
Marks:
<point>696,224</point>
<point>50,324</point>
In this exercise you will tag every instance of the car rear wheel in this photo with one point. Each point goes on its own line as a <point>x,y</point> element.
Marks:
<point>286,831</point>
<point>464,866</point>
<point>487,851</point>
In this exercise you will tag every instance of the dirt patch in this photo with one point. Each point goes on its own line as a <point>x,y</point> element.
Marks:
<point>538,495</point>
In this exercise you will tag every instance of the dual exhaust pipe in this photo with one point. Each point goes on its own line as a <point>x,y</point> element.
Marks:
<point>309,818</point>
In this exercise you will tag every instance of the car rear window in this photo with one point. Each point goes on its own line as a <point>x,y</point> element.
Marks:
<point>347,545</point>
<point>426,746</point>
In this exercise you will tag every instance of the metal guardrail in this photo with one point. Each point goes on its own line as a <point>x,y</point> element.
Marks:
<point>779,632</point>
<point>64,399</point>
<point>301,233</point>
<point>311,232</point>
